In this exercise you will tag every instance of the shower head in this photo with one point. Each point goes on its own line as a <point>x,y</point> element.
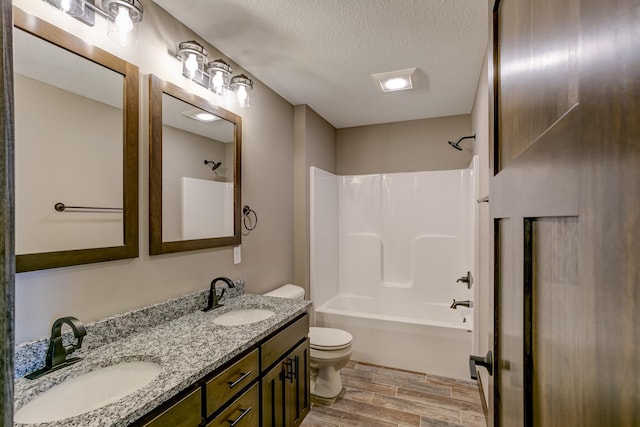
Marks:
<point>456,144</point>
<point>214,165</point>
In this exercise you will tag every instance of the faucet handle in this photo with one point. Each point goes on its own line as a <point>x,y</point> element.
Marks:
<point>468,279</point>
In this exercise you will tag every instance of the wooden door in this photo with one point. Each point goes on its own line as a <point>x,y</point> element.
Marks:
<point>7,203</point>
<point>565,205</point>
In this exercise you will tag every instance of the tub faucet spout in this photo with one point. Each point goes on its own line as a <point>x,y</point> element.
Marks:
<point>455,304</point>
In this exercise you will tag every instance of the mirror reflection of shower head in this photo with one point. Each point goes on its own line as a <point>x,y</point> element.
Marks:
<point>456,144</point>
<point>213,164</point>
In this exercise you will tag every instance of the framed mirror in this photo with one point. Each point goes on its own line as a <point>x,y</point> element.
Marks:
<point>194,171</point>
<point>76,142</point>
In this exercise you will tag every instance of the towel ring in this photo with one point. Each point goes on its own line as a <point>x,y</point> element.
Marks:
<point>246,218</point>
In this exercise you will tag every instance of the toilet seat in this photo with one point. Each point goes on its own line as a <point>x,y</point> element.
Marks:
<point>329,339</point>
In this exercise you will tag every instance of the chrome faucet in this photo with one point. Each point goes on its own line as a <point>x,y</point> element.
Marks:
<point>467,303</point>
<point>57,352</point>
<point>213,301</point>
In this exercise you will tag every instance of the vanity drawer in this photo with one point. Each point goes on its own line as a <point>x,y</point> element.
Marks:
<point>186,413</point>
<point>244,412</point>
<point>228,383</point>
<point>277,346</point>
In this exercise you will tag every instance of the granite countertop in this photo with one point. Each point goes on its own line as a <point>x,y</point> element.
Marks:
<point>187,348</point>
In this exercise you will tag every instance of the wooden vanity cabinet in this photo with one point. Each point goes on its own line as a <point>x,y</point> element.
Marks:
<point>285,376</point>
<point>186,412</point>
<point>285,389</point>
<point>268,385</point>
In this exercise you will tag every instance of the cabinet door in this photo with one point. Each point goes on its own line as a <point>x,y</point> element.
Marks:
<point>186,413</point>
<point>298,398</point>
<point>280,344</point>
<point>273,397</point>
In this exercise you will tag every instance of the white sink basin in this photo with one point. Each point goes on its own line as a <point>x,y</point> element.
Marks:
<point>87,392</point>
<point>243,317</point>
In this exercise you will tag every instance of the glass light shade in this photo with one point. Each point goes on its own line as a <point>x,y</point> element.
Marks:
<point>72,7</point>
<point>242,86</point>
<point>124,16</point>
<point>118,33</point>
<point>65,5</point>
<point>193,56</point>
<point>220,76</point>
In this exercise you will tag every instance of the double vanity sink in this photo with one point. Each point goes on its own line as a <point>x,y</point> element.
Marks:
<point>120,382</point>
<point>243,317</point>
<point>87,392</point>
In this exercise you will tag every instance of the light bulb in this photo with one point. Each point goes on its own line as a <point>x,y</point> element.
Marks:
<point>65,5</point>
<point>123,20</point>
<point>191,64</point>
<point>217,82</point>
<point>396,83</point>
<point>242,95</point>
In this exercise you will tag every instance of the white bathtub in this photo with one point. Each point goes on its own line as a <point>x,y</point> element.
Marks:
<point>411,335</point>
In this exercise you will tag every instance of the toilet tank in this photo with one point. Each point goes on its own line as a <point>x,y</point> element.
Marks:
<point>287,291</point>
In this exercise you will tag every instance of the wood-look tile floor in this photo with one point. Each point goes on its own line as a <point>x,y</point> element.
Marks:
<point>375,396</point>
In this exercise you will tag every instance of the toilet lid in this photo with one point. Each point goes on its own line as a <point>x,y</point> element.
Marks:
<point>329,338</point>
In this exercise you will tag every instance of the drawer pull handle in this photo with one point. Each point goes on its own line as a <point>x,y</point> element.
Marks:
<point>243,375</point>
<point>237,420</point>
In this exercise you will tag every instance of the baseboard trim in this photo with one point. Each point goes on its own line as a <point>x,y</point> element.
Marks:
<point>485,409</point>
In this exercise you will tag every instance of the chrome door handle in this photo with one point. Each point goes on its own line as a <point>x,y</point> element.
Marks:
<point>486,361</point>
<point>233,423</point>
<point>243,375</point>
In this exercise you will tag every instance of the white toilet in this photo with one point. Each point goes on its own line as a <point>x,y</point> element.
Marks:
<point>330,350</point>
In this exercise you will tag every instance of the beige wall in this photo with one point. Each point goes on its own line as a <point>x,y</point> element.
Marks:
<point>483,309</point>
<point>183,155</point>
<point>315,145</point>
<point>94,291</point>
<point>410,146</point>
<point>63,159</point>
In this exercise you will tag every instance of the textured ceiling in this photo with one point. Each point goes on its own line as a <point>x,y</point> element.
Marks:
<point>322,52</point>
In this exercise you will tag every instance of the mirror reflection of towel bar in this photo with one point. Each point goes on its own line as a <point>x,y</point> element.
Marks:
<point>61,207</point>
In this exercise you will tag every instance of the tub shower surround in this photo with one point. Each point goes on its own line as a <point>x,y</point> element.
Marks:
<point>386,253</point>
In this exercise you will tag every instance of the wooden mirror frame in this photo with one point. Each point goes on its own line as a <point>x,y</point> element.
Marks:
<point>157,246</point>
<point>129,72</point>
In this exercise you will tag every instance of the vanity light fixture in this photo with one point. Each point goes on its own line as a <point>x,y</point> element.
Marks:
<point>123,16</point>
<point>79,9</point>
<point>214,75</point>
<point>219,76</point>
<point>242,86</point>
<point>193,56</point>
<point>395,80</point>
<point>72,7</point>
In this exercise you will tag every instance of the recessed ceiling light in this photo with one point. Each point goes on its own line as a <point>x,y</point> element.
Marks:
<point>395,80</point>
<point>200,115</point>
